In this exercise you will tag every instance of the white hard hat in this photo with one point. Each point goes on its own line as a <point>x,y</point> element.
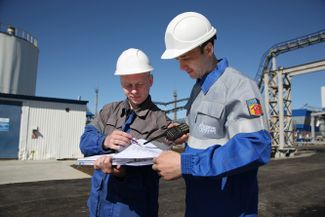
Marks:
<point>185,32</point>
<point>132,61</point>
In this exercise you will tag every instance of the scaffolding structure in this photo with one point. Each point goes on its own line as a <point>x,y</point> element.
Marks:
<point>275,82</point>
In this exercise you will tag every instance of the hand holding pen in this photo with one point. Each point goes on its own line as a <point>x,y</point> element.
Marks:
<point>117,140</point>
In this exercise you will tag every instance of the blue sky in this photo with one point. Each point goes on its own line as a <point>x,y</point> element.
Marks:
<point>80,41</point>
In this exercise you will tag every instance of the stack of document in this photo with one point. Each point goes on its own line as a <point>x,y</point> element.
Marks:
<point>136,154</point>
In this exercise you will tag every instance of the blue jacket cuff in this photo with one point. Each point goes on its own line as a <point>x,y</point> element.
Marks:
<point>186,163</point>
<point>101,146</point>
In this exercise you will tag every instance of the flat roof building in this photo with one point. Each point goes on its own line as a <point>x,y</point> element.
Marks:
<point>38,128</point>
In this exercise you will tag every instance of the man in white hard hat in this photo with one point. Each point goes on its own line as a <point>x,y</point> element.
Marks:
<point>228,138</point>
<point>125,191</point>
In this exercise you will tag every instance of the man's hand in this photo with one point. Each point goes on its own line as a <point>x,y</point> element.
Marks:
<point>168,165</point>
<point>181,139</point>
<point>105,164</point>
<point>117,140</point>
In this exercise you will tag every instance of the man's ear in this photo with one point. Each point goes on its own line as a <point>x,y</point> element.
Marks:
<point>209,49</point>
<point>151,80</point>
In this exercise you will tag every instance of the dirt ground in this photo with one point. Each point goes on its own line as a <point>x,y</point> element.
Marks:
<point>288,188</point>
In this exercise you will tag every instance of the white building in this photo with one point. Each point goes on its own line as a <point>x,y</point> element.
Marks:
<point>38,128</point>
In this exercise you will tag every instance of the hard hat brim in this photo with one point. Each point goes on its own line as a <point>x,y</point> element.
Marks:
<point>174,53</point>
<point>133,72</point>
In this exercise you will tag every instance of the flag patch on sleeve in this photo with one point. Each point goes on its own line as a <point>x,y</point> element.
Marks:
<point>254,107</point>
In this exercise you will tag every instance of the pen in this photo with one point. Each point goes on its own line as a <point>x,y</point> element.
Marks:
<point>133,140</point>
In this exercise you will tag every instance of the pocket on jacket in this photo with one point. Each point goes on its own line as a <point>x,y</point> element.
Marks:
<point>209,119</point>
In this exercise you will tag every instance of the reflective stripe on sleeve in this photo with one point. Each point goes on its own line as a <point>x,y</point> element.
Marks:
<point>245,126</point>
<point>204,143</point>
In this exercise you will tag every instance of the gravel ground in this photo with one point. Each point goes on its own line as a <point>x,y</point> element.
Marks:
<point>288,188</point>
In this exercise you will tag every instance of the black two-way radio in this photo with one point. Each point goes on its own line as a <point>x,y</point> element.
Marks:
<point>172,133</point>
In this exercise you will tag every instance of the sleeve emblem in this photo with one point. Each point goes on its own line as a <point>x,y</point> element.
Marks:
<point>254,107</point>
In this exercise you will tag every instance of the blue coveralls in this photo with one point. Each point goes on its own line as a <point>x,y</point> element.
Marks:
<point>136,194</point>
<point>228,141</point>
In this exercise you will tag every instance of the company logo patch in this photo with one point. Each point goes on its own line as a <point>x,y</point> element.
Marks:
<point>254,107</point>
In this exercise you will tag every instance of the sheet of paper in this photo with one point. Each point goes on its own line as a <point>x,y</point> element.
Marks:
<point>89,161</point>
<point>135,154</point>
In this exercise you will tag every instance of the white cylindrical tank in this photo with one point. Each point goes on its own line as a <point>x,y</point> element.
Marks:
<point>18,61</point>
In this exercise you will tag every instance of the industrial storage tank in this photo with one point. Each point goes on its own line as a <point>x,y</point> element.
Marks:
<point>18,61</point>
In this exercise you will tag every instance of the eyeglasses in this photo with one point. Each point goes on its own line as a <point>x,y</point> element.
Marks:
<point>130,86</point>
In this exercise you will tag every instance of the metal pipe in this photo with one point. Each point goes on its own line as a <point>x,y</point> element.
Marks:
<point>266,95</point>
<point>312,125</point>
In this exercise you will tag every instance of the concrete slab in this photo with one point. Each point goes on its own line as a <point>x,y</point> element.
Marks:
<point>17,171</point>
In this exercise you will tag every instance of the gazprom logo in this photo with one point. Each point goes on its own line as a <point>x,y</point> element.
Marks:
<point>206,129</point>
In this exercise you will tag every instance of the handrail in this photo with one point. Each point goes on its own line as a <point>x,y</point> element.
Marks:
<point>10,30</point>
